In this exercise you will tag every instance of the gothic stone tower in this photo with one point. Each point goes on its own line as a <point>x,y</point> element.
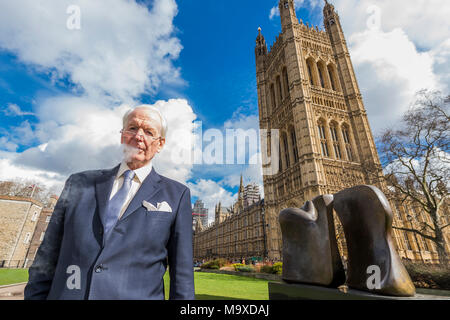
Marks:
<point>307,89</point>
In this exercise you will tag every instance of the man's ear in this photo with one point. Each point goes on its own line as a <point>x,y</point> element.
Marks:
<point>162,142</point>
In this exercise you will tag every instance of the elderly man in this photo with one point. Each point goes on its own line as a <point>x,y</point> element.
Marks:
<point>114,231</point>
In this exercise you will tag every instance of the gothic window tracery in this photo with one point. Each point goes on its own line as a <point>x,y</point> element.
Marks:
<point>286,81</point>
<point>280,91</point>
<point>272,95</point>
<point>294,145</point>
<point>322,83</point>
<point>330,72</point>
<point>347,141</point>
<point>323,75</point>
<point>334,136</point>
<point>323,139</point>
<point>286,150</point>
<point>309,64</point>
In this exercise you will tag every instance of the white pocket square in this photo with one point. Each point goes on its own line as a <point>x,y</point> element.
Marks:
<point>160,206</point>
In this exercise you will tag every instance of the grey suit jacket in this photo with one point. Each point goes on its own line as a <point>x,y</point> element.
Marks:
<point>131,262</point>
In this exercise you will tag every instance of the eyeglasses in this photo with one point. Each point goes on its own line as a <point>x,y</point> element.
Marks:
<point>148,135</point>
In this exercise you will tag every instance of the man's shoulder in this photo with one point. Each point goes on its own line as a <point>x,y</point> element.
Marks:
<point>173,184</point>
<point>90,176</point>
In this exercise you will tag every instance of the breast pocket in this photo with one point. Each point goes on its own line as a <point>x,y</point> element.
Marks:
<point>157,228</point>
<point>158,220</point>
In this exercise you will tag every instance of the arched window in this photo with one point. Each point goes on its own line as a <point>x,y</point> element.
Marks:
<point>322,83</point>
<point>272,95</point>
<point>310,66</point>
<point>407,242</point>
<point>294,144</point>
<point>280,91</point>
<point>323,139</point>
<point>286,81</point>
<point>334,136</point>
<point>286,150</point>
<point>310,75</point>
<point>331,74</point>
<point>347,141</point>
<point>280,161</point>
<point>323,75</point>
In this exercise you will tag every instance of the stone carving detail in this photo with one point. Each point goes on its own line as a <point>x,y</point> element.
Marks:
<point>310,253</point>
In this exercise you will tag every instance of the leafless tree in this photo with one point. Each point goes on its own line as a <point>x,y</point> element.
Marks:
<point>27,189</point>
<point>416,160</point>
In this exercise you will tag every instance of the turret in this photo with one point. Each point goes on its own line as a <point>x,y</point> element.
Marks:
<point>287,14</point>
<point>261,47</point>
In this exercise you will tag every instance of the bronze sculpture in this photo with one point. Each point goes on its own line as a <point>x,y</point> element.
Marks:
<point>310,253</point>
<point>310,250</point>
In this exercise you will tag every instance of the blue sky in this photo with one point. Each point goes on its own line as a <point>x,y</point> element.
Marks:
<point>53,83</point>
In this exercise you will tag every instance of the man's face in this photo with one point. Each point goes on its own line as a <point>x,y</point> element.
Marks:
<point>143,134</point>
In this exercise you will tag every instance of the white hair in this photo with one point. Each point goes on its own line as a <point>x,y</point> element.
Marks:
<point>153,112</point>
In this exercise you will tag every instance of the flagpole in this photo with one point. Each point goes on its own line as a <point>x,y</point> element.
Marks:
<point>32,192</point>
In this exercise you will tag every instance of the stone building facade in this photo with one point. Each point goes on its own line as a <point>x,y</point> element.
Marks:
<point>39,232</point>
<point>240,235</point>
<point>410,215</point>
<point>18,219</point>
<point>308,91</point>
<point>23,222</point>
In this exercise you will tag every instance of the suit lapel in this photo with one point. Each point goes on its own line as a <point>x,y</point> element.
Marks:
<point>103,187</point>
<point>148,189</point>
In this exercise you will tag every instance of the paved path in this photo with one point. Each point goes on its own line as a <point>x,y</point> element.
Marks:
<point>12,292</point>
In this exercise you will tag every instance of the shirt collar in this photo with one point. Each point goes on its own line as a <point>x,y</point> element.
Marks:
<point>141,173</point>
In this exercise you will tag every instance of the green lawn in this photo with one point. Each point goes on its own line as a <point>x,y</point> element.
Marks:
<point>212,286</point>
<point>10,276</point>
<point>208,286</point>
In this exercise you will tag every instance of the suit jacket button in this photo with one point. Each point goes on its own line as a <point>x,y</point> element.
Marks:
<point>99,268</point>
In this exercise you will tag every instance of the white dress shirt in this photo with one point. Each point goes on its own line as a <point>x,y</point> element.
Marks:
<point>139,177</point>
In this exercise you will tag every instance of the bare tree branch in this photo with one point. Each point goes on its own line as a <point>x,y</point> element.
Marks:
<point>416,157</point>
<point>416,232</point>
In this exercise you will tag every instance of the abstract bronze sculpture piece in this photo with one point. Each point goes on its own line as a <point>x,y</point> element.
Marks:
<point>310,253</point>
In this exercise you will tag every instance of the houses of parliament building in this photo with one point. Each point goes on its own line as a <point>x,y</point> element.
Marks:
<point>307,89</point>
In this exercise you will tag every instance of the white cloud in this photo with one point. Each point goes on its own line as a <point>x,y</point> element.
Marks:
<point>441,65</point>
<point>211,193</point>
<point>8,145</point>
<point>274,12</point>
<point>11,171</point>
<point>175,161</point>
<point>122,49</point>
<point>390,71</point>
<point>397,48</point>
<point>424,21</point>
<point>14,110</point>
<point>86,136</point>
<point>407,51</point>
